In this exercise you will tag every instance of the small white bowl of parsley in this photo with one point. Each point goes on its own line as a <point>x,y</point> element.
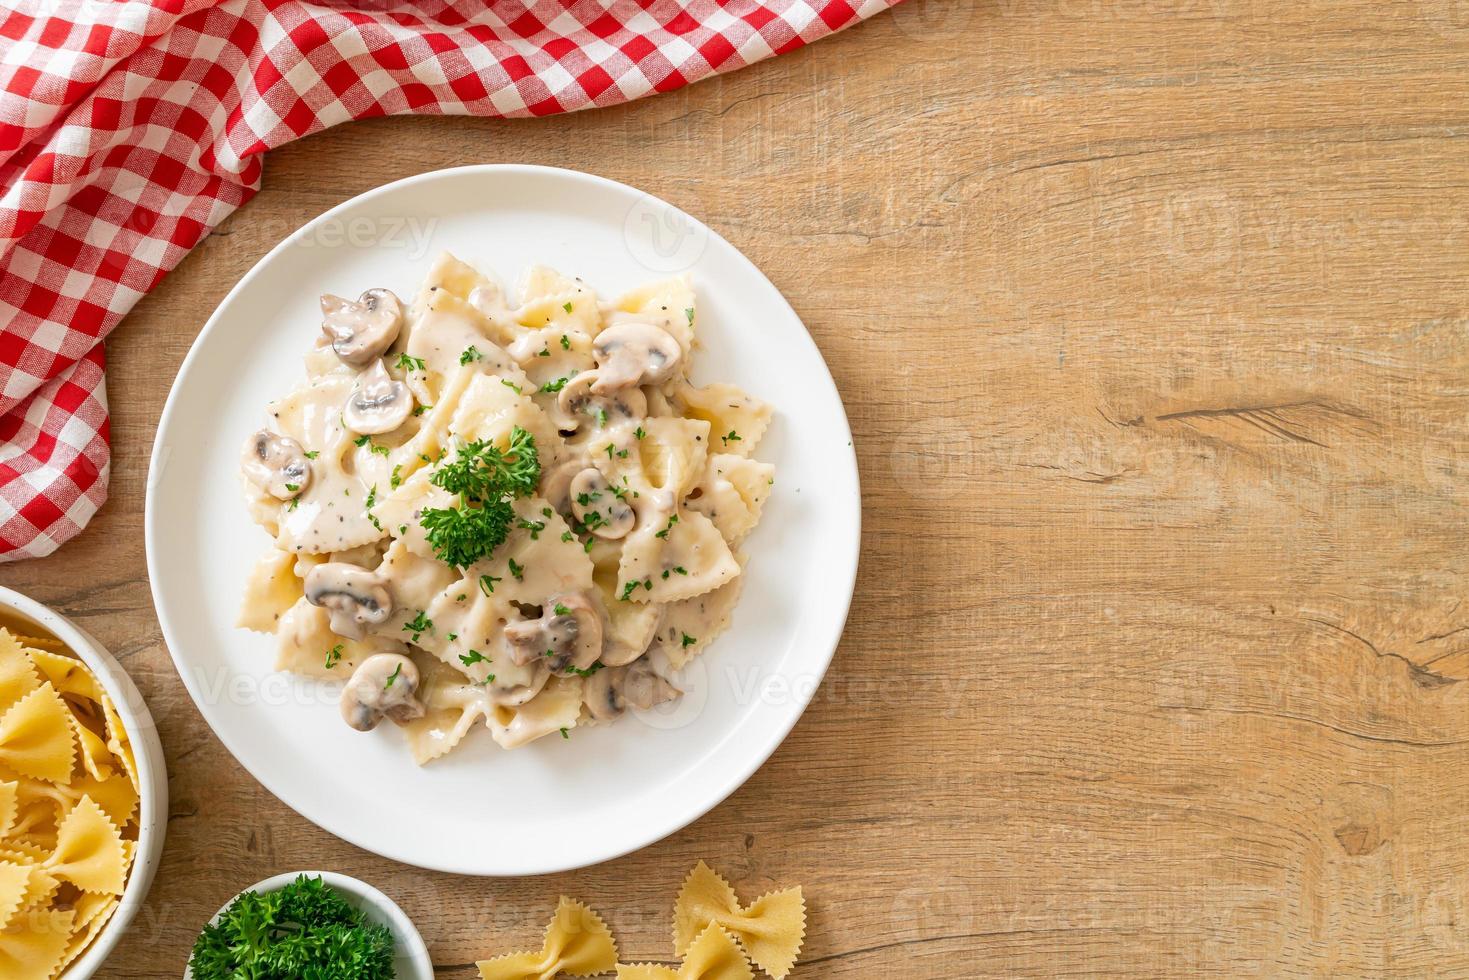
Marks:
<point>310,925</point>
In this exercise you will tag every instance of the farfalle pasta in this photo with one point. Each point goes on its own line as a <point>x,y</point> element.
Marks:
<point>771,928</point>
<point>68,807</point>
<point>577,944</point>
<point>716,937</point>
<point>516,515</point>
<point>714,955</point>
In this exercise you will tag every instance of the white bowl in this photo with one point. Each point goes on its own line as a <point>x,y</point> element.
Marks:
<point>152,772</point>
<point>410,961</point>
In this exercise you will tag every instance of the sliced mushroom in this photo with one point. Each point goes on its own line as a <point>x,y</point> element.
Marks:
<point>579,402</point>
<point>276,464</point>
<point>632,354</point>
<point>360,330</point>
<point>356,597</point>
<point>610,692</point>
<point>378,403</point>
<point>383,685</point>
<point>556,483</point>
<point>567,634</point>
<point>603,512</point>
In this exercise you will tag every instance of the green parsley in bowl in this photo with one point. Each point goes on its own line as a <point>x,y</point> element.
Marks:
<point>314,925</point>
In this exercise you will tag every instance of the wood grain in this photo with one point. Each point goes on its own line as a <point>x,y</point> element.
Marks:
<point>1150,319</point>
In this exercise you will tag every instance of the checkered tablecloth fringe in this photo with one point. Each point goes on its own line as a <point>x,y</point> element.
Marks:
<point>129,129</point>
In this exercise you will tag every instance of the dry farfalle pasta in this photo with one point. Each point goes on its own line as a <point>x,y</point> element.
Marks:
<point>577,944</point>
<point>68,800</point>
<point>713,956</point>
<point>771,928</point>
<point>707,922</point>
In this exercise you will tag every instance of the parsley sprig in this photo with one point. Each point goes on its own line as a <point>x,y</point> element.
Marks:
<point>306,929</point>
<point>486,480</point>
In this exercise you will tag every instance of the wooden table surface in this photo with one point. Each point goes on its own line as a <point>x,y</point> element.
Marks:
<point>1150,319</point>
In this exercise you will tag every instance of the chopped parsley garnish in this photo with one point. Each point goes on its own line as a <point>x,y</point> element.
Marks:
<point>566,734</point>
<point>587,672</point>
<point>420,409</point>
<point>371,446</point>
<point>544,352</point>
<point>565,342</point>
<point>486,480</point>
<point>672,520</point>
<point>628,589</point>
<point>312,454</point>
<point>517,570</point>
<point>462,536</point>
<point>561,610</point>
<point>409,363</point>
<point>293,487</point>
<point>639,432</point>
<point>534,527</point>
<point>602,417</point>
<point>732,437</point>
<point>473,657</point>
<point>567,536</point>
<point>471,353</point>
<point>687,640</point>
<point>566,307</point>
<point>333,655</point>
<point>453,637</point>
<point>369,504</point>
<point>690,314</point>
<point>551,387</point>
<point>418,625</point>
<point>397,476</point>
<point>393,676</point>
<point>487,583</point>
<point>511,385</point>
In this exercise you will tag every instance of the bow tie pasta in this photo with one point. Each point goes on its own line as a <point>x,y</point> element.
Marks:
<point>577,944</point>
<point>68,805</point>
<point>518,514</point>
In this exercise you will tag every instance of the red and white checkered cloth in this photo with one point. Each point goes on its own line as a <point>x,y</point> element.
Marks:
<point>130,128</point>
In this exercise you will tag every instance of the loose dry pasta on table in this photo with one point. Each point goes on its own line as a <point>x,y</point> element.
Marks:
<point>577,944</point>
<point>771,928</point>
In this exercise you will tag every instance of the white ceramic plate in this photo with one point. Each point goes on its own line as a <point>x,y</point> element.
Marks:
<point>555,804</point>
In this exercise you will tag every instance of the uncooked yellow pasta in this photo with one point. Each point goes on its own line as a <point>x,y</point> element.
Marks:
<point>714,955</point>
<point>771,928</point>
<point>577,944</point>
<point>68,808</point>
<point>716,937</point>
